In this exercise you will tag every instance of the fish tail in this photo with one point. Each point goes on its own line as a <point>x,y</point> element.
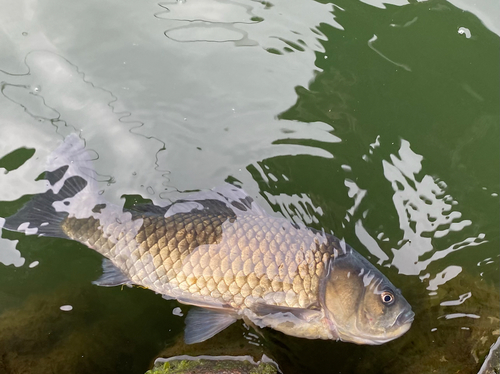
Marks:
<point>71,190</point>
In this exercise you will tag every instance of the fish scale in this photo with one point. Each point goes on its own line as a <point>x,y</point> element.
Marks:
<point>215,257</point>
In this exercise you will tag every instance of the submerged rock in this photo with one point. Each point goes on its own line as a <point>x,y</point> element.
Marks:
<point>212,365</point>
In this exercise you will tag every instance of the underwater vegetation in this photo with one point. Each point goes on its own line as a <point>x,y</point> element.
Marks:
<point>39,337</point>
<point>204,366</point>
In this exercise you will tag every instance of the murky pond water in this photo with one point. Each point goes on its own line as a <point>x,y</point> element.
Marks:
<point>379,123</point>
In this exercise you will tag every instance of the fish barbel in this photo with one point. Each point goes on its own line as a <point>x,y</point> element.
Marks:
<point>220,251</point>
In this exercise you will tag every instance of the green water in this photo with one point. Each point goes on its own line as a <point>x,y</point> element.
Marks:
<point>378,123</point>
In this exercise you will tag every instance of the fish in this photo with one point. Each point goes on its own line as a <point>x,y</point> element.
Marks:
<point>222,253</point>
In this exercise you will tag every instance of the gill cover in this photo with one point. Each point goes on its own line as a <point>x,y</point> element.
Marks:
<point>361,303</point>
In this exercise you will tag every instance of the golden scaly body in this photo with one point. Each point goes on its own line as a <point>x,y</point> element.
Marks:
<point>219,258</point>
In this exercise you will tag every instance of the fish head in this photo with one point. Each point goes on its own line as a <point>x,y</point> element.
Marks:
<point>361,305</point>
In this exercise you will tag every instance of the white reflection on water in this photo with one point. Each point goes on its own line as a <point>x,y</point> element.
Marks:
<point>245,24</point>
<point>366,239</point>
<point>461,300</point>
<point>177,312</point>
<point>425,212</point>
<point>9,255</point>
<point>206,10</point>
<point>460,315</point>
<point>59,98</point>
<point>354,192</point>
<point>297,208</point>
<point>357,193</point>
<point>444,276</point>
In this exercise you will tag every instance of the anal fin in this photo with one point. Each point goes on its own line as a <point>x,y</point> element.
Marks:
<point>202,324</point>
<point>111,276</point>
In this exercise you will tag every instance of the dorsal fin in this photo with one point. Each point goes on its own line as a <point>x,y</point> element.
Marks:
<point>148,208</point>
<point>227,199</point>
<point>239,199</point>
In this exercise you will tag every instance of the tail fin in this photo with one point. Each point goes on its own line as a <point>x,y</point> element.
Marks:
<point>71,190</point>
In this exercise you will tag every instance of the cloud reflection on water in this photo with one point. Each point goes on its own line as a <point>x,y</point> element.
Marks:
<point>9,255</point>
<point>260,23</point>
<point>425,212</point>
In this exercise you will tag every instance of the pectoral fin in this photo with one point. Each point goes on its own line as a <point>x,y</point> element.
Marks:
<point>202,324</point>
<point>111,275</point>
<point>301,322</point>
<point>263,310</point>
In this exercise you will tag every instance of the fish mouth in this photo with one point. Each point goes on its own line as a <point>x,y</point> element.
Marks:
<point>404,318</point>
<point>401,325</point>
<point>377,340</point>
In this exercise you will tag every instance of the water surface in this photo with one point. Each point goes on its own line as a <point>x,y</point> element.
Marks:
<point>377,122</point>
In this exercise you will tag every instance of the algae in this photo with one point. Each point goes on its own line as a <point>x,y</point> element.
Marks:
<point>37,337</point>
<point>94,337</point>
<point>219,366</point>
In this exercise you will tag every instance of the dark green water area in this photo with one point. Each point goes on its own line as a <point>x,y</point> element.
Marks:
<point>377,122</point>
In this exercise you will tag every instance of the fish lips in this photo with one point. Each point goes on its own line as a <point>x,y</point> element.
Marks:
<point>405,318</point>
<point>399,327</point>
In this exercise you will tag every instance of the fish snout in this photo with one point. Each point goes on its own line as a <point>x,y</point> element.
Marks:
<point>405,317</point>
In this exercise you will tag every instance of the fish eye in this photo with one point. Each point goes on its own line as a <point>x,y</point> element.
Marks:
<point>387,297</point>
